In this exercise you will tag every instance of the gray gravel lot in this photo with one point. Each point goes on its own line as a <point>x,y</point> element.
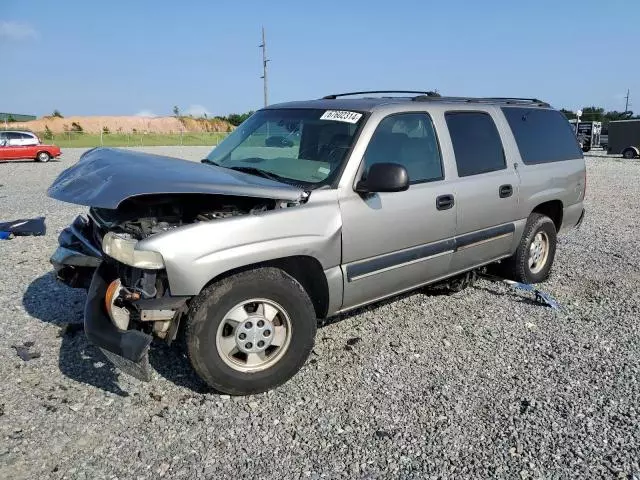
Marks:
<point>479,384</point>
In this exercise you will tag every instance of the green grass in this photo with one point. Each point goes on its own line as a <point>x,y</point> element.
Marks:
<point>88,140</point>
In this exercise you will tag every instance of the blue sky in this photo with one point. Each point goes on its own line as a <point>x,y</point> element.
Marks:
<point>124,57</point>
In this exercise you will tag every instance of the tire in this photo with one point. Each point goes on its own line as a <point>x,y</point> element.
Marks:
<point>210,332</point>
<point>518,266</point>
<point>628,154</point>
<point>43,157</point>
<point>586,149</point>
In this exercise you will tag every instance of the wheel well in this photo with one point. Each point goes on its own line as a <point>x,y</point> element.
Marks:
<point>306,270</point>
<point>552,209</point>
<point>635,150</point>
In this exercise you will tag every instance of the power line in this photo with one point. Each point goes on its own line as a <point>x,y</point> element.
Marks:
<point>264,68</point>
<point>626,105</point>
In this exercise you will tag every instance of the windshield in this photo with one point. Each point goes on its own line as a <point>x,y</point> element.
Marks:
<point>295,145</point>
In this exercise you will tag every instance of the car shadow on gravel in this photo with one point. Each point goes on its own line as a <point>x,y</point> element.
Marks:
<point>51,302</point>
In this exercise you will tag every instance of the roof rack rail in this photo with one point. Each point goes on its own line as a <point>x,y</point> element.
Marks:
<point>506,100</point>
<point>336,95</point>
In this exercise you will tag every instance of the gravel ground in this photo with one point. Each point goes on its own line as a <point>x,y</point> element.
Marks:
<point>495,386</point>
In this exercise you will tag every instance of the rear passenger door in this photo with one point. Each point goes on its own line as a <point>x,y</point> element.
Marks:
<point>486,190</point>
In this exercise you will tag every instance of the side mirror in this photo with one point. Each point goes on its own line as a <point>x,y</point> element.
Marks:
<point>384,177</point>
<point>3,143</point>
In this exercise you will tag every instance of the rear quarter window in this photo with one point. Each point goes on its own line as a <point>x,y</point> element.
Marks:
<point>542,135</point>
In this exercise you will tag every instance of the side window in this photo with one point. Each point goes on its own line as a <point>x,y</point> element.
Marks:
<point>410,140</point>
<point>476,143</point>
<point>13,135</point>
<point>542,135</point>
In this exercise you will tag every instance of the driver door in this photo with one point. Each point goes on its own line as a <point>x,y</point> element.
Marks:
<point>394,241</point>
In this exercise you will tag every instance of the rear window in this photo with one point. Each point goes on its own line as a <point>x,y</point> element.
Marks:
<point>542,135</point>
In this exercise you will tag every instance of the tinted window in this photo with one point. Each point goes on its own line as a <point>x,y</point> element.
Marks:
<point>542,135</point>
<point>13,135</point>
<point>476,143</point>
<point>26,136</point>
<point>410,140</point>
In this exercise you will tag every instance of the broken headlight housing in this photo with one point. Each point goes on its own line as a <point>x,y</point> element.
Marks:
<point>124,250</point>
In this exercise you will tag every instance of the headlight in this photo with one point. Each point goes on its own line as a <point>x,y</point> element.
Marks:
<point>124,250</point>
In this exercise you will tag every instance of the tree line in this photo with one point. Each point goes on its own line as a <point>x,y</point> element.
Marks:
<point>598,114</point>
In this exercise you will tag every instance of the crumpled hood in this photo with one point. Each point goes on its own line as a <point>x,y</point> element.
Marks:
<point>104,177</point>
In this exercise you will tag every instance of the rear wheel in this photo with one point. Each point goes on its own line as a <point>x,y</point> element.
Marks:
<point>534,257</point>
<point>250,332</point>
<point>43,157</point>
<point>628,153</point>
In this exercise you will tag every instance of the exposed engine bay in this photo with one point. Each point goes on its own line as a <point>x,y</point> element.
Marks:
<point>141,217</point>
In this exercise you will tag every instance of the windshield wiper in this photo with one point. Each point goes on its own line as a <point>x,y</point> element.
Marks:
<point>249,170</point>
<point>257,171</point>
<point>210,162</point>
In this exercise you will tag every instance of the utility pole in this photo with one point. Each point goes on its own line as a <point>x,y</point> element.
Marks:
<point>626,105</point>
<point>264,67</point>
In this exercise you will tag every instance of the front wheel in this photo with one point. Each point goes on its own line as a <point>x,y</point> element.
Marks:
<point>536,251</point>
<point>43,157</point>
<point>629,154</point>
<point>250,332</point>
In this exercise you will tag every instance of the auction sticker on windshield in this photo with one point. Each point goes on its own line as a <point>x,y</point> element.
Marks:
<point>341,116</point>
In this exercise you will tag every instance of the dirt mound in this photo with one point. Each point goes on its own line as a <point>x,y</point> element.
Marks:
<point>125,124</point>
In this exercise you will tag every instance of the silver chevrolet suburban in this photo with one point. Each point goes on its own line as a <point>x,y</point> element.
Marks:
<point>309,209</point>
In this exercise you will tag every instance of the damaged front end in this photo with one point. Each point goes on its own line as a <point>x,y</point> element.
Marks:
<point>77,255</point>
<point>129,300</point>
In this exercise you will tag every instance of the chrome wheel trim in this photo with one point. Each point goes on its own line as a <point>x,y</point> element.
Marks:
<point>538,252</point>
<point>254,335</point>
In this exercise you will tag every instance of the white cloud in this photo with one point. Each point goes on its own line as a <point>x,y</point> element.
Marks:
<point>145,113</point>
<point>17,31</point>
<point>197,111</point>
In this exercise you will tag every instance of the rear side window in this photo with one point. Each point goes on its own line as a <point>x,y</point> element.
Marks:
<point>26,136</point>
<point>542,135</point>
<point>476,143</point>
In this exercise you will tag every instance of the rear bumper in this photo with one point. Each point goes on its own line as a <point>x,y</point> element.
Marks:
<point>572,217</point>
<point>127,349</point>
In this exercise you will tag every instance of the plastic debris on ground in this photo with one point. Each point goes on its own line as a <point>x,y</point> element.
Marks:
<point>26,352</point>
<point>540,296</point>
<point>22,227</point>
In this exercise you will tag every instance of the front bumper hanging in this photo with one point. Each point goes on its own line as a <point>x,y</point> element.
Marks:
<point>126,349</point>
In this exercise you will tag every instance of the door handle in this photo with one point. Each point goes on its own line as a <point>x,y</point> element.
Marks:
<point>444,202</point>
<point>505,191</point>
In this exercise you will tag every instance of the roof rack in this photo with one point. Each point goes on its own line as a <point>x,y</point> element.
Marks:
<point>336,95</point>
<point>506,100</point>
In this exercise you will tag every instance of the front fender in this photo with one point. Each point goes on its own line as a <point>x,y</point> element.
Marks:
<point>197,253</point>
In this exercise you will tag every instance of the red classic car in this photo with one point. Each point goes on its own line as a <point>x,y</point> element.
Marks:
<point>41,153</point>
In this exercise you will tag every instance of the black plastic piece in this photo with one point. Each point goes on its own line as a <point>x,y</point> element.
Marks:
<point>502,100</point>
<point>445,202</point>
<point>384,177</point>
<point>336,95</point>
<point>505,191</point>
<point>25,226</point>
<point>132,345</point>
<point>162,303</point>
